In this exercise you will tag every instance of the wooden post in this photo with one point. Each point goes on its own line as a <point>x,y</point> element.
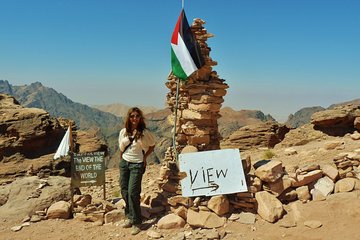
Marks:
<point>71,165</point>
<point>104,190</point>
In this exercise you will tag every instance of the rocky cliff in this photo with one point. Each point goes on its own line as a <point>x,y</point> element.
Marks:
<point>29,138</point>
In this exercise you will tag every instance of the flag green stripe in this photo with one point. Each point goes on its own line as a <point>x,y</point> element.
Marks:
<point>176,66</point>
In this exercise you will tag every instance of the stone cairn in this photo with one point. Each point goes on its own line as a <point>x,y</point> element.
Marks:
<point>348,164</point>
<point>199,102</point>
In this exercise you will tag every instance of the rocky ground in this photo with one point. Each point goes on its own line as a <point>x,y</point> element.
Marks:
<point>26,189</point>
<point>337,217</point>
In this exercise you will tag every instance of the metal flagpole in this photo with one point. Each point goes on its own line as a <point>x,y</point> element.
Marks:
<point>175,118</point>
<point>176,108</point>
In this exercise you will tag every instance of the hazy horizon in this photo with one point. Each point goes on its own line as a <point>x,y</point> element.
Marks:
<point>277,57</point>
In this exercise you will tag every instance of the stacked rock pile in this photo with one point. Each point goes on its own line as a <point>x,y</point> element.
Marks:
<point>269,187</point>
<point>348,164</point>
<point>200,99</point>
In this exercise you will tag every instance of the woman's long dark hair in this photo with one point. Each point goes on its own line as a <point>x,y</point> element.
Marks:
<point>140,127</point>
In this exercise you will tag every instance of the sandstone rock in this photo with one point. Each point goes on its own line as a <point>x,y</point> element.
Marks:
<point>212,234</point>
<point>357,123</point>
<point>333,144</point>
<point>278,186</point>
<point>59,209</point>
<point>185,201</point>
<point>330,172</point>
<point>36,218</point>
<point>197,140</point>
<point>269,207</point>
<point>180,211</point>
<point>96,217</point>
<point>337,121</point>
<point>88,141</point>
<point>313,224</point>
<point>171,221</point>
<point>247,218</point>
<point>189,149</point>
<point>303,193</point>
<point>170,186</point>
<point>164,172</point>
<point>204,219</point>
<point>219,205</point>
<point>270,172</point>
<point>16,228</point>
<point>325,185</point>
<point>19,205</point>
<point>205,106</point>
<point>356,135</point>
<point>256,135</point>
<point>344,185</point>
<point>152,234</point>
<point>301,136</point>
<point>288,195</point>
<point>331,118</point>
<point>82,200</point>
<point>114,216</point>
<point>30,132</point>
<point>191,115</point>
<point>290,151</point>
<point>317,195</point>
<point>307,178</point>
<point>309,167</point>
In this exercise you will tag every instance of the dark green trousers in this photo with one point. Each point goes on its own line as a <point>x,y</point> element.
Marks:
<point>130,184</point>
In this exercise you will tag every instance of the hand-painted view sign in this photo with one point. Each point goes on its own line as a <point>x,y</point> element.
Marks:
<point>88,169</point>
<point>212,173</point>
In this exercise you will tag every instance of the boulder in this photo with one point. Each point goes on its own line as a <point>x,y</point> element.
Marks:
<point>204,219</point>
<point>266,134</point>
<point>270,172</point>
<point>60,210</point>
<point>171,221</point>
<point>269,207</point>
<point>26,197</point>
<point>219,205</point>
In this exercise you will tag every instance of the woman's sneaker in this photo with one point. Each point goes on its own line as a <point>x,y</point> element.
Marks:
<point>135,229</point>
<point>126,224</point>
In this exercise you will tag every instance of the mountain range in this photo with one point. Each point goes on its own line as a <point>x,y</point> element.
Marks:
<point>108,119</point>
<point>38,96</point>
<point>120,110</point>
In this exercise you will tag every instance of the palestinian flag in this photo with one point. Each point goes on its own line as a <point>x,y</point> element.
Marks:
<point>185,51</point>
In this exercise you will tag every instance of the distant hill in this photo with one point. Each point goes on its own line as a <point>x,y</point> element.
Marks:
<point>232,120</point>
<point>303,116</point>
<point>120,110</point>
<point>355,102</point>
<point>38,96</point>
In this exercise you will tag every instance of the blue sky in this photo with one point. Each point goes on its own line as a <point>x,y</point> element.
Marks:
<point>276,55</point>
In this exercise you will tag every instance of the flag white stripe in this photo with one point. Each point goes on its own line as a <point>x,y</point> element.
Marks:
<point>184,57</point>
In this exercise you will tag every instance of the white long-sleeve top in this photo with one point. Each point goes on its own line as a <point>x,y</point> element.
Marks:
<point>134,152</point>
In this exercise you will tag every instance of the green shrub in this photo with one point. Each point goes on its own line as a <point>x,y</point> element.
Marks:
<point>116,193</point>
<point>268,154</point>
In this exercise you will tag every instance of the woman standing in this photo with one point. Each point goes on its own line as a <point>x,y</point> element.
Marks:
<point>136,144</point>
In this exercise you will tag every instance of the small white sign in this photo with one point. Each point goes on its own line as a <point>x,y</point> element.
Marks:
<point>212,173</point>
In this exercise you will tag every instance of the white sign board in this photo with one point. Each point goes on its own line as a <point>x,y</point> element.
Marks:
<point>212,173</point>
